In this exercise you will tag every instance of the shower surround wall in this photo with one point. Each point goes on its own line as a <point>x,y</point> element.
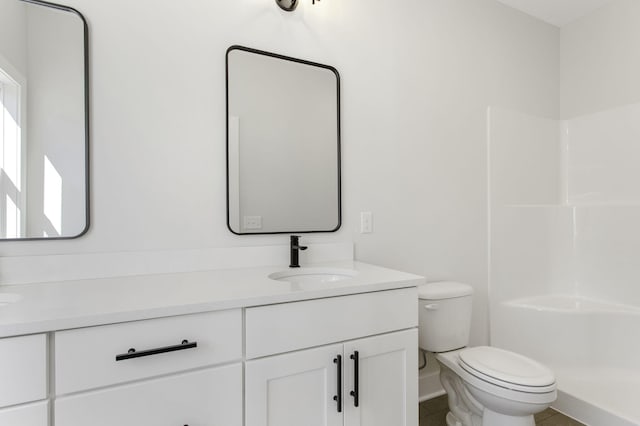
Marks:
<point>564,271</point>
<point>580,233</point>
<point>564,215</point>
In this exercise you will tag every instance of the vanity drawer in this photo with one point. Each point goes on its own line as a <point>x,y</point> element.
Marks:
<point>36,414</point>
<point>23,369</point>
<point>205,397</point>
<point>99,356</point>
<point>287,327</point>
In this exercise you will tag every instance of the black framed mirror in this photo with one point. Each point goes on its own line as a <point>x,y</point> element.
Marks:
<point>44,123</point>
<point>283,144</point>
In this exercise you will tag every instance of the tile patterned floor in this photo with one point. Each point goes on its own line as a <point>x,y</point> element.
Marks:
<point>434,411</point>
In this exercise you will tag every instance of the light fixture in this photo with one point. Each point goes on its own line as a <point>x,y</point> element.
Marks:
<point>290,5</point>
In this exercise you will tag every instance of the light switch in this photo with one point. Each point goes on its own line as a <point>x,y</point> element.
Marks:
<point>366,222</point>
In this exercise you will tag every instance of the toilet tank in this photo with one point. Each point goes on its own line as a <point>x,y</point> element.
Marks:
<point>445,315</point>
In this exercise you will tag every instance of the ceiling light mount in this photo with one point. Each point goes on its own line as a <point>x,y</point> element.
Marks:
<point>290,5</point>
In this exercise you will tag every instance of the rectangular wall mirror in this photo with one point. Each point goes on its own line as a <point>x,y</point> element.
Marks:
<point>283,144</point>
<point>44,121</point>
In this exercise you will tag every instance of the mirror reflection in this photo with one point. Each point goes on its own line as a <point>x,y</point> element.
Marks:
<point>43,121</point>
<point>283,144</point>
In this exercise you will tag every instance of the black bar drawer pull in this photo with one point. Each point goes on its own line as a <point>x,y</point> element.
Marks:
<point>355,393</point>
<point>132,353</point>
<point>338,398</point>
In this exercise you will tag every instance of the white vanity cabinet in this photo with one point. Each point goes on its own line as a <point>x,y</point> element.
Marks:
<point>314,387</point>
<point>23,380</point>
<point>318,386</point>
<point>256,353</point>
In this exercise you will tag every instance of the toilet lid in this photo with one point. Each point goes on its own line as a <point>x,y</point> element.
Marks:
<point>444,290</point>
<point>507,369</point>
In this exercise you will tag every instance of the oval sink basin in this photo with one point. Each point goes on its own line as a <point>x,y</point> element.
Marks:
<point>8,298</point>
<point>313,275</point>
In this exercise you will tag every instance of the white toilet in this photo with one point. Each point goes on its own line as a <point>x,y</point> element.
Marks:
<point>485,386</point>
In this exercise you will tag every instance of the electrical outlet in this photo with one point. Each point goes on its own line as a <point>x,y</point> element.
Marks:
<point>253,222</point>
<point>366,222</point>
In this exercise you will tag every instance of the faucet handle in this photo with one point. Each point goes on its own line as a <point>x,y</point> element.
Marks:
<point>295,242</point>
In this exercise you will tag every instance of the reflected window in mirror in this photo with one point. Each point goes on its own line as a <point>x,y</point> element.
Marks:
<point>12,201</point>
<point>283,144</point>
<point>44,125</point>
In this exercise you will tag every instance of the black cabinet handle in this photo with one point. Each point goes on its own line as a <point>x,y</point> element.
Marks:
<point>355,393</point>
<point>132,353</point>
<point>338,398</point>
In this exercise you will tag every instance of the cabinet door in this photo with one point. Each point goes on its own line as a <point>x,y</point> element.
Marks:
<point>210,397</point>
<point>294,389</point>
<point>387,380</point>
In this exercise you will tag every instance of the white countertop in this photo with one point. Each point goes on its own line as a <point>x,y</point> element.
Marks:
<point>72,304</point>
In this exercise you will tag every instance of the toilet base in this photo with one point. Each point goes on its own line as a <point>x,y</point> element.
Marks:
<point>490,418</point>
<point>453,420</point>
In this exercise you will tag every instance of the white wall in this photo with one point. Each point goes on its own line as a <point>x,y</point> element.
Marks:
<point>417,77</point>
<point>600,60</point>
<point>525,159</point>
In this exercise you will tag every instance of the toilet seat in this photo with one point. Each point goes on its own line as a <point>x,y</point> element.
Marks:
<point>503,390</point>
<point>507,369</point>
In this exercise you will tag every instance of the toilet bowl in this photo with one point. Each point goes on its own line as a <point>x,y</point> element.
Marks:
<point>495,396</point>
<point>485,386</point>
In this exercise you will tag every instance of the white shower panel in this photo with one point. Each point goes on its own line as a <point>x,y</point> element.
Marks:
<point>607,243</point>
<point>531,251</point>
<point>604,157</point>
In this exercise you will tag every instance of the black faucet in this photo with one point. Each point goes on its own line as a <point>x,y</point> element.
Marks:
<point>295,246</point>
